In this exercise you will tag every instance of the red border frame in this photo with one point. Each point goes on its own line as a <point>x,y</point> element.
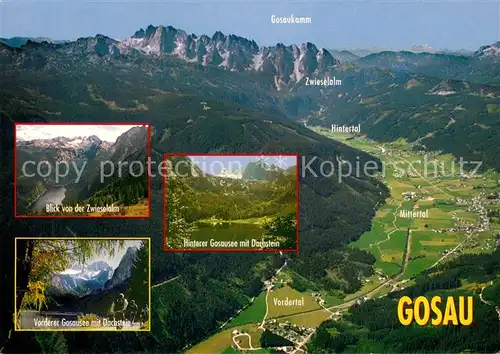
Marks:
<point>164,163</point>
<point>16,216</point>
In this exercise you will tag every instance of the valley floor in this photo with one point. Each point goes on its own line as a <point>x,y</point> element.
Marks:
<point>453,221</point>
<point>449,210</point>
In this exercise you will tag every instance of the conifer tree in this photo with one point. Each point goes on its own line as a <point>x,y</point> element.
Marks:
<point>139,283</point>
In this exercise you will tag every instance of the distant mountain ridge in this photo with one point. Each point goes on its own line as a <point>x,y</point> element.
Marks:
<point>234,53</point>
<point>488,51</point>
<point>419,48</point>
<point>17,42</point>
<point>170,58</point>
<point>228,173</point>
<point>82,148</point>
<point>289,64</point>
<point>93,278</point>
<point>67,149</point>
<point>341,54</point>
<point>232,124</point>
<point>255,170</point>
<point>344,56</point>
<point>261,171</point>
<point>80,281</point>
<point>482,67</point>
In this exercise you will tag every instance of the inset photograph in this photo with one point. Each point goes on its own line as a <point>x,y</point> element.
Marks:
<point>82,284</point>
<point>82,170</point>
<point>226,202</point>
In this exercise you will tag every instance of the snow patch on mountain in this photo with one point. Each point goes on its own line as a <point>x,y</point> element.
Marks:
<point>233,53</point>
<point>81,280</point>
<point>258,61</point>
<point>62,142</point>
<point>228,173</point>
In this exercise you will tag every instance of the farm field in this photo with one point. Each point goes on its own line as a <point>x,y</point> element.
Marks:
<point>221,341</point>
<point>288,293</point>
<point>311,319</point>
<point>431,196</point>
<point>427,219</point>
<point>252,314</point>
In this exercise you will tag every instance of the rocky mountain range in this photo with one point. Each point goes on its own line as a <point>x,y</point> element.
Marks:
<point>343,54</point>
<point>87,147</point>
<point>261,171</point>
<point>209,108</point>
<point>80,281</point>
<point>93,278</point>
<point>488,51</point>
<point>230,173</point>
<point>234,53</point>
<point>272,79</point>
<point>253,171</point>
<point>66,149</point>
<point>78,143</point>
<point>242,113</point>
<point>86,151</point>
<point>286,65</point>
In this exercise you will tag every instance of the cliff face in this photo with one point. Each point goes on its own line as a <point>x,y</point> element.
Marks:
<point>124,270</point>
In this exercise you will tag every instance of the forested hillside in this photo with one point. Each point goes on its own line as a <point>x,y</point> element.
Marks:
<point>209,287</point>
<point>225,94</point>
<point>209,196</point>
<point>373,326</point>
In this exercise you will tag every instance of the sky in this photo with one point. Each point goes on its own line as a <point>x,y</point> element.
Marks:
<point>119,253</point>
<point>105,132</point>
<point>213,165</point>
<point>390,24</point>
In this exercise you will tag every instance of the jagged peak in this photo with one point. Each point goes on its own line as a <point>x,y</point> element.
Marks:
<point>149,30</point>
<point>325,53</point>
<point>490,50</point>
<point>230,51</point>
<point>495,44</point>
<point>139,34</point>
<point>309,46</point>
<point>204,38</point>
<point>218,36</point>
<point>97,37</point>
<point>229,39</point>
<point>5,46</point>
<point>94,137</point>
